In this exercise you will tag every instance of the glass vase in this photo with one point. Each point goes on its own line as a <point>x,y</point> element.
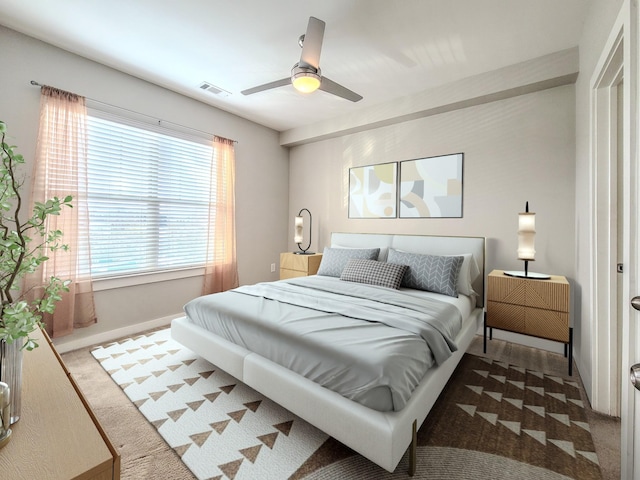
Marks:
<point>11,373</point>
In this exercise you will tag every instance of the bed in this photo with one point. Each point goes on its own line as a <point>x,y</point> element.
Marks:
<point>380,423</point>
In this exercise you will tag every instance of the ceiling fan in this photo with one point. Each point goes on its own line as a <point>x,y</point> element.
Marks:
<point>305,75</point>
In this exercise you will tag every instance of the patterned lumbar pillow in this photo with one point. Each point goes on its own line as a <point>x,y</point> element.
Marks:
<point>335,259</point>
<point>433,273</point>
<point>373,272</point>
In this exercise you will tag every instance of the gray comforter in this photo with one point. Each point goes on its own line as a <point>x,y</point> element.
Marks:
<point>371,344</point>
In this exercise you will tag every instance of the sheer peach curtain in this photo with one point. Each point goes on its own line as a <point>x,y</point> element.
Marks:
<point>61,170</point>
<point>221,270</point>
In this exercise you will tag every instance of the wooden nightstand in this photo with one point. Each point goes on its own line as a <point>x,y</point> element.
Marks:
<point>532,307</point>
<point>294,265</point>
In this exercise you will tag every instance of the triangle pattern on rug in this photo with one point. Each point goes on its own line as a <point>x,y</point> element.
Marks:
<point>497,396</point>
<point>251,453</point>
<point>513,426</point>
<point>538,435</point>
<point>565,446</point>
<point>591,456</point>
<point>200,438</point>
<point>475,388</point>
<point>227,389</point>
<point>470,409</point>
<point>269,440</point>
<point>217,425</point>
<point>237,415</point>
<point>492,418</point>
<point>211,396</point>
<point>537,418</point>
<point>181,449</point>
<point>220,426</point>
<point>253,406</point>
<point>231,469</point>
<point>284,427</point>
<point>195,405</point>
<point>516,402</point>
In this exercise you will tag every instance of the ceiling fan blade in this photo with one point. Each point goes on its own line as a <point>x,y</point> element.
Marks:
<point>334,88</point>
<point>312,44</point>
<point>268,86</point>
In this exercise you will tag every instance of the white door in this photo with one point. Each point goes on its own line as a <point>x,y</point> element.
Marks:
<point>631,324</point>
<point>630,398</point>
<point>631,347</point>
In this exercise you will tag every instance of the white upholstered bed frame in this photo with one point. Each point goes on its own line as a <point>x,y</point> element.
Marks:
<point>382,437</point>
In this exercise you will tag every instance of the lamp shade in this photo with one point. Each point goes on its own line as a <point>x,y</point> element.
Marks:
<point>526,245</point>
<point>298,224</point>
<point>306,83</point>
<point>305,79</point>
<point>298,237</point>
<point>526,236</point>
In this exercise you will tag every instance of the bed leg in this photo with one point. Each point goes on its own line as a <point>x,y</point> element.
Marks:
<point>413,449</point>
<point>484,324</point>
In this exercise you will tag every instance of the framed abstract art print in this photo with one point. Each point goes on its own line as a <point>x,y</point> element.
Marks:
<point>373,191</point>
<point>431,187</point>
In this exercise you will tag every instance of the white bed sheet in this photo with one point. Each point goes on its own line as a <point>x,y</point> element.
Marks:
<point>466,304</point>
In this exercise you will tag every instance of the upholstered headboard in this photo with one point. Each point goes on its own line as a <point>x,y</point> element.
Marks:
<point>430,244</point>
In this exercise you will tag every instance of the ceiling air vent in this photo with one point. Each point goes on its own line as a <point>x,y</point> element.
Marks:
<point>211,88</point>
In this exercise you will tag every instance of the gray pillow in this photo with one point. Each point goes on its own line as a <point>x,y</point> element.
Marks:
<point>373,272</point>
<point>433,273</point>
<point>335,259</point>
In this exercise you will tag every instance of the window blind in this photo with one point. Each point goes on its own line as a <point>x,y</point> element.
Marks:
<point>149,194</point>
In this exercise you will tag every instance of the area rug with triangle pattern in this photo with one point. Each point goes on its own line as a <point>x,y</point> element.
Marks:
<point>493,420</point>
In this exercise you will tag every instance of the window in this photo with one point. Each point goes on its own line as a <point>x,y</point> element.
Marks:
<point>149,193</point>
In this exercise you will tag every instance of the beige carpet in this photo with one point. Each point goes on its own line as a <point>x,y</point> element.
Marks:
<point>146,455</point>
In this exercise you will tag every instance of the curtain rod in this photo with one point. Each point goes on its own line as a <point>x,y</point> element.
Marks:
<point>33,82</point>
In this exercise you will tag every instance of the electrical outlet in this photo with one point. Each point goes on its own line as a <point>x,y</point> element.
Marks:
<point>273,267</point>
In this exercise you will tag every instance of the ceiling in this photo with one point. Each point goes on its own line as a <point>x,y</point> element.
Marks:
<point>381,49</point>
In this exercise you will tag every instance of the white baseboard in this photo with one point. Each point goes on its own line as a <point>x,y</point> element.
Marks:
<point>64,344</point>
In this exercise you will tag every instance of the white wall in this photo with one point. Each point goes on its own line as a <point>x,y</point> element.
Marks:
<point>261,168</point>
<point>515,150</point>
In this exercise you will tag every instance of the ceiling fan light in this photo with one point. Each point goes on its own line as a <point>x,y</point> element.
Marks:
<point>305,82</point>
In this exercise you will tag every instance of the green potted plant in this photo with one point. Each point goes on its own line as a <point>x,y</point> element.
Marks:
<point>24,243</point>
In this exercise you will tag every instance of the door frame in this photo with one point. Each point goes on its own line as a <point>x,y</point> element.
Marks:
<point>611,67</point>
<point>604,148</point>
<point>619,57</point>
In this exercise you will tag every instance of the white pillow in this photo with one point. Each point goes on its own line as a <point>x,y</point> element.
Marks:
<point>469,271</point>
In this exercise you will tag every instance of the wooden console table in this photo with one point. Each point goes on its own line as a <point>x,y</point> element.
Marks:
<point>57,436</point>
